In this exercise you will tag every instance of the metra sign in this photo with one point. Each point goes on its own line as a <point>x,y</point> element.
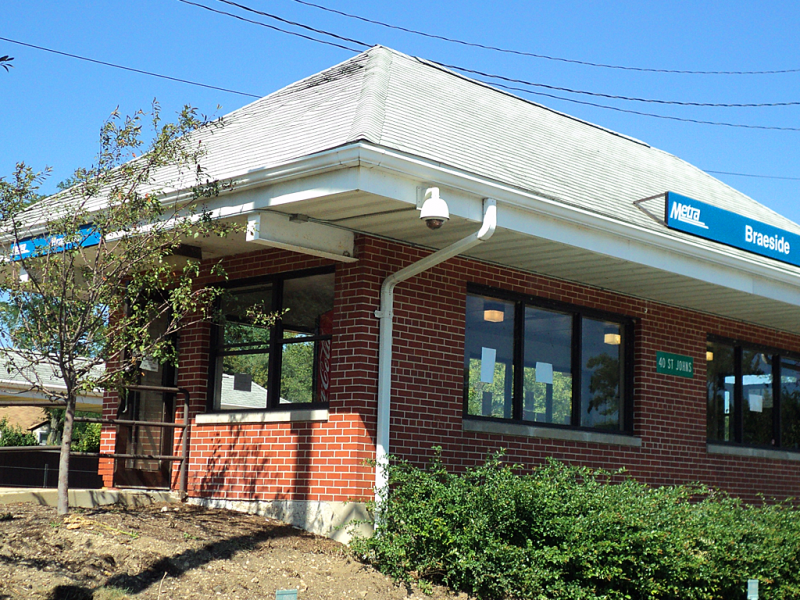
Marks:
<point>712,223</point>
<point>54,244</point>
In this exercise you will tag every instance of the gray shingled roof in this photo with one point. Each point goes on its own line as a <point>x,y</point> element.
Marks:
<point>43,373</point>
<point>414,106</point>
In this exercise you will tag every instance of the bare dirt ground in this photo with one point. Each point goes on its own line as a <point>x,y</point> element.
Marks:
<point>171,552</point>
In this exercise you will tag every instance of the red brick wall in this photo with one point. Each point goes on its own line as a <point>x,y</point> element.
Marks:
<point>292,461</point>
<point>325,461</point>
<point>669,412</point>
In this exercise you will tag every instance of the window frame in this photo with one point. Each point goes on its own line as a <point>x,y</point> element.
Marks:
<point>577,314</point>
<point>737,409</point>
<point>276,343</point>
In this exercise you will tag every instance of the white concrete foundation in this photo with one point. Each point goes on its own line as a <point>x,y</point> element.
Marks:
<point>330,519</point>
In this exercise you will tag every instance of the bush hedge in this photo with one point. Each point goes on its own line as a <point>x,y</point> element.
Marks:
<point>567,532</point>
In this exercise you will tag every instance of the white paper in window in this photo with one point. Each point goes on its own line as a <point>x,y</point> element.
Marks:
<point>488,356</point>
<point>544,373</point>
<point>149,364</point>
<point>756,402</point>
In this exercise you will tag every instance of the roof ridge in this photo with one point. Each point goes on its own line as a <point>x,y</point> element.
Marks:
<point>369,116</point>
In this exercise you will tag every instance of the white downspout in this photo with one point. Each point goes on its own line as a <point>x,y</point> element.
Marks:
<point>386,316</point>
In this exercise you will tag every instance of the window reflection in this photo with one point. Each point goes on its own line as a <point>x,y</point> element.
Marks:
<point>601,375</point>
<point>790,403</point>
<point>757,398</point>
<point>488,357</point>
<point>547,386</point>
<point>296,347</point>
<point>719,390</point>
<point>543,365</point>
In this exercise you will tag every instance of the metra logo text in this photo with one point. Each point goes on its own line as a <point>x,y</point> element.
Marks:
<point>686,213</point>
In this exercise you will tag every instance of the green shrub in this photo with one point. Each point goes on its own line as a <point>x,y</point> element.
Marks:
<point>11,435</point>
<point>573,533</point>
<point>86,437</point>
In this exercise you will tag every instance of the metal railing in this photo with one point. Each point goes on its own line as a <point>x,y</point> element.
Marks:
<point>183,457</point>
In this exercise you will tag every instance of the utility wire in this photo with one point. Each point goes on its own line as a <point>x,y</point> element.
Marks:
<point>124,68</point>
<point>752,175</point>
<point>613,97</point>
<point>186,81</point>
<point>531,54</point>
<point>481,73</point>
<point>445,66</point>
<point>282,20</point>
<point>637,112</point>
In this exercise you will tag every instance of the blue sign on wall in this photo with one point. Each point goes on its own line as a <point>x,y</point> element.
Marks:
<point>716,224</point>
<point>53,244</point>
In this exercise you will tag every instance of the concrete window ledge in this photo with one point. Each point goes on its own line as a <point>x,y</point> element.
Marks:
<point>573,435</point>
<point>263,416</point>
<point>746,452</point>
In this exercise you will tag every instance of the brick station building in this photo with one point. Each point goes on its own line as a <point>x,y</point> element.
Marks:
<point>569,308</point>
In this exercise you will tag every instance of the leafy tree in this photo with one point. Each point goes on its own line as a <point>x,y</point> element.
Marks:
<point>604,389</point>
<point>85,436</point>
<point>105,267</point>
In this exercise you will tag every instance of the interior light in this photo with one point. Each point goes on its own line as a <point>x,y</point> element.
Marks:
<point>493,315</point>
<point>612,339</point>
<point>709,355</point>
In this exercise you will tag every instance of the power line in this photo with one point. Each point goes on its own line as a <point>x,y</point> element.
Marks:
<point>637,112</point>
<point>533,55</point>
<point>575,101</point>
<point>282,20</point>
<point>277,18</point>
<point>753,175</point>
<point>445,66</point>
<point>124,68</point>
<point>614,97</point>
<point>481,73</point>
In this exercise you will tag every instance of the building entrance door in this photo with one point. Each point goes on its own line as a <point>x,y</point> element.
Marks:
<point>149,440</point>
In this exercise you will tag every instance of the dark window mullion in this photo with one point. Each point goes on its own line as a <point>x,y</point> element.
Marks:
<point>776,400</point>
<point>738,396</point>
<point>626,377</point>
<point>215,342</point>
<point>519,360</point>
<point>577,358</point>
<point>275,349</point>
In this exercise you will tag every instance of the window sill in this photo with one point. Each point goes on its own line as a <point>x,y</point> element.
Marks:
<point>746,452</point>
<point>573,435</point>
<point>263,416</point>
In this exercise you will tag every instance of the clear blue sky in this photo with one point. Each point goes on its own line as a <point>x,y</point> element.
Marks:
<point>53,106</point>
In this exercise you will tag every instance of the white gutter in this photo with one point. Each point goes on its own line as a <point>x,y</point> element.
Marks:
<point>386,314</point>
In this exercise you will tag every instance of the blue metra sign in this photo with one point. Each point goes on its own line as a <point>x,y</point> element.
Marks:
<point>52,244</point>
<point>716,224</point>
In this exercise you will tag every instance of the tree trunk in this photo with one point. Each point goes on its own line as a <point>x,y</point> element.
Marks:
<point>53,437</point>
<point>63,463</point>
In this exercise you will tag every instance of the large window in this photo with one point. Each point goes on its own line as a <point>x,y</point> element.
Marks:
<point>746,405</point>
<point>546,363</point>
<point>258,365</point>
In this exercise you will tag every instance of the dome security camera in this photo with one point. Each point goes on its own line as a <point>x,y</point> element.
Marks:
<point>434,210</point>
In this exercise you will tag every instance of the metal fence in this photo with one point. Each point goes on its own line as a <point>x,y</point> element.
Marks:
<point>76,458</point>
<point>37,467</point>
